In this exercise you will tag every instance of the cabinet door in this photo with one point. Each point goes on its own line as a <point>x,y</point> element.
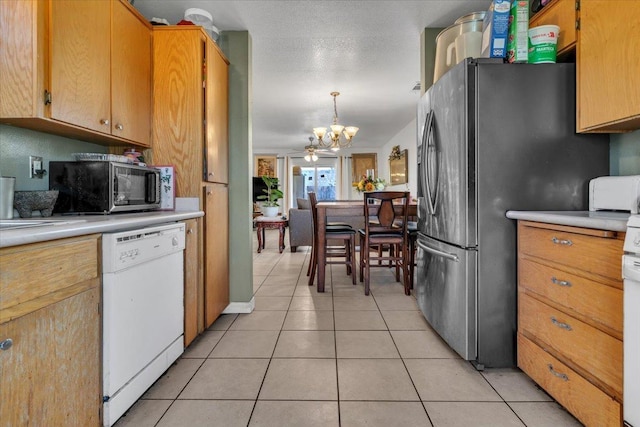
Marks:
<point>192,282</point>
<point>51,374</point>
<point>608,60</point>
<point>216,287</point>
<point>130,76</point>
<point>80,63</point>
<point>178,104</point>
<point>217,116</point>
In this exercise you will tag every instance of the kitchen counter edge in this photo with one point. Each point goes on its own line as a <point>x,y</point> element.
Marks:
<point>92,224</point>
<point>601,220</point>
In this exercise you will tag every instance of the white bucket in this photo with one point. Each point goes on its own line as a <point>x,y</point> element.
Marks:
<point>543,44</point>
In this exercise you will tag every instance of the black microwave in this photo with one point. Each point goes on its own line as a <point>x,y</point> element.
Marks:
<point>103,187</point>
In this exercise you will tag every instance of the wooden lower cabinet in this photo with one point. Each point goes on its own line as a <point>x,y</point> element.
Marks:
<point>585,401</point>
<point>570,317</point>
<point>216,251</point>
<point>193,290</point>
<point>50,300</point>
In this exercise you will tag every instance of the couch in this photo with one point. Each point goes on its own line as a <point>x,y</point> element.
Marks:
<point>301,225</point>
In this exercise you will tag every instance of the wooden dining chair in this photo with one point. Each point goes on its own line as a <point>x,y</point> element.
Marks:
<point>333,231</point>
<point>386,228</point>
<point>333,225</point>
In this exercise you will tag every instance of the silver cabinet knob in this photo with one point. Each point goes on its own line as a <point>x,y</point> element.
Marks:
<point>6,344</point>
<point>210,173</point>
<point>119,126</point>
<point>104,122</point>
<point>190,231</point>
<point>209,193</point>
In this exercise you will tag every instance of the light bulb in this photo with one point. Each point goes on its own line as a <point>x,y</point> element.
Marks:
<point>307,158</point>
<point>319,133</point>
<point>314,157</point>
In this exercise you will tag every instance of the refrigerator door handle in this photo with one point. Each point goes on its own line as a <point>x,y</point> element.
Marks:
<point>427,147</point>
<point>446,255</point>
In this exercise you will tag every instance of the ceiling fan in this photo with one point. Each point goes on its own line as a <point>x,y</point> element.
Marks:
<point>312,150</point>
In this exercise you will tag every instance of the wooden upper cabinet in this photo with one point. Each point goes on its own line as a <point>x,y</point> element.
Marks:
<point>608,66</point>
<point>605,36</point>
<point>178,104</point>
<point>563,14</point>
<point>130,75</point>
<point>80,69</point>
<point>80,63</point>
<point>217,116</point>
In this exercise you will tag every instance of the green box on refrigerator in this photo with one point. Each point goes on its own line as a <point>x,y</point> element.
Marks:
<point>518,40</point>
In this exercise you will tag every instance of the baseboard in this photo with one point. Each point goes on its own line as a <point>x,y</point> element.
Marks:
<point>240,307</point>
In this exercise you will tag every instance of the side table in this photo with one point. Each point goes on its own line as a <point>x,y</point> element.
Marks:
<point>263,222</point>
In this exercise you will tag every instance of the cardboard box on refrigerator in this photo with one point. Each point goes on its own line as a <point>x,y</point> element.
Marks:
<point>495,29</point>
<point>518,40</point>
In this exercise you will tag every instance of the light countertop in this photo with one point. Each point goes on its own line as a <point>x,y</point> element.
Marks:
<point>77,225</point>
<point>602,220</point>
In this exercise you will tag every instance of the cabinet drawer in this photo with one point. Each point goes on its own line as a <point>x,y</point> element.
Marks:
<point>563,14</point>
<point>596,255</point>
<point>585,401</point>
<point>32,274</point>
<point>601,303</point>
<point>588,349</point>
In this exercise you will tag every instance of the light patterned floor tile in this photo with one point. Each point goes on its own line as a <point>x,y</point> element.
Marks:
<point>206,413</point>
<point>294,414</point>
<point>476,414</point>
<point>383,414</point>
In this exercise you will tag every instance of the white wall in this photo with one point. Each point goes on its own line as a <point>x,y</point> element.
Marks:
<point>406,139</point>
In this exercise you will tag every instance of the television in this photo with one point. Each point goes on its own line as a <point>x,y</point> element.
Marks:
<point>258,186</point>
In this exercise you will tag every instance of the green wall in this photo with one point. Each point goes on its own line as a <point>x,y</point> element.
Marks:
<point>236,45</point>
<point>624,156</point>
<point>17,144</point>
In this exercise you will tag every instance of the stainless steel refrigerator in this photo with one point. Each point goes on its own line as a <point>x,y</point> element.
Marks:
<point>492,137</point>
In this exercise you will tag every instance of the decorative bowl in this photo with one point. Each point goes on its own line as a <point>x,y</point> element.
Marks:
<point>28,201</point>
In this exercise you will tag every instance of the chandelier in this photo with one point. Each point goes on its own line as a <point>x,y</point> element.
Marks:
<point>336,142</point>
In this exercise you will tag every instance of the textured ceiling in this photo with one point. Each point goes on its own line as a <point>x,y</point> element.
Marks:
<point>369,51</point>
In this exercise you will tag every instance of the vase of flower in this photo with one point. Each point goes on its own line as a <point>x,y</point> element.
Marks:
<point>271,196</point>
<point>368,183</point>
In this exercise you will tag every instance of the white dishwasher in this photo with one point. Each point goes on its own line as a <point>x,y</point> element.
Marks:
<point>143,312</point>
<point>631,274</point>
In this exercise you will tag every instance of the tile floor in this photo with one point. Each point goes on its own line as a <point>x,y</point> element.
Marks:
<point>333,359</point>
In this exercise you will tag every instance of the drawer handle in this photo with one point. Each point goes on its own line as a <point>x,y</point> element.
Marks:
<point>560,282</point>
<point>560,324</point>
<point>562,376</point>
<point>557,241</point>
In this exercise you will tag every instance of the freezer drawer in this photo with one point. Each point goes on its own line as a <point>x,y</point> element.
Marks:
<point>445,288</point>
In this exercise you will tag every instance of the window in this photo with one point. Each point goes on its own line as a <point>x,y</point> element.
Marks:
<point>319,177</point>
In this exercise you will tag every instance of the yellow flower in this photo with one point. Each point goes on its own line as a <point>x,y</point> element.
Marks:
<point>369,187</point>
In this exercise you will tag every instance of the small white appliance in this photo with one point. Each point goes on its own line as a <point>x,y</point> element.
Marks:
<point>631,275</point>
<point>143,316</point>
<point>617,193</point>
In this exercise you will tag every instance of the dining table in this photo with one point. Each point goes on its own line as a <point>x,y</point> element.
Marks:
<point>348,208</point>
